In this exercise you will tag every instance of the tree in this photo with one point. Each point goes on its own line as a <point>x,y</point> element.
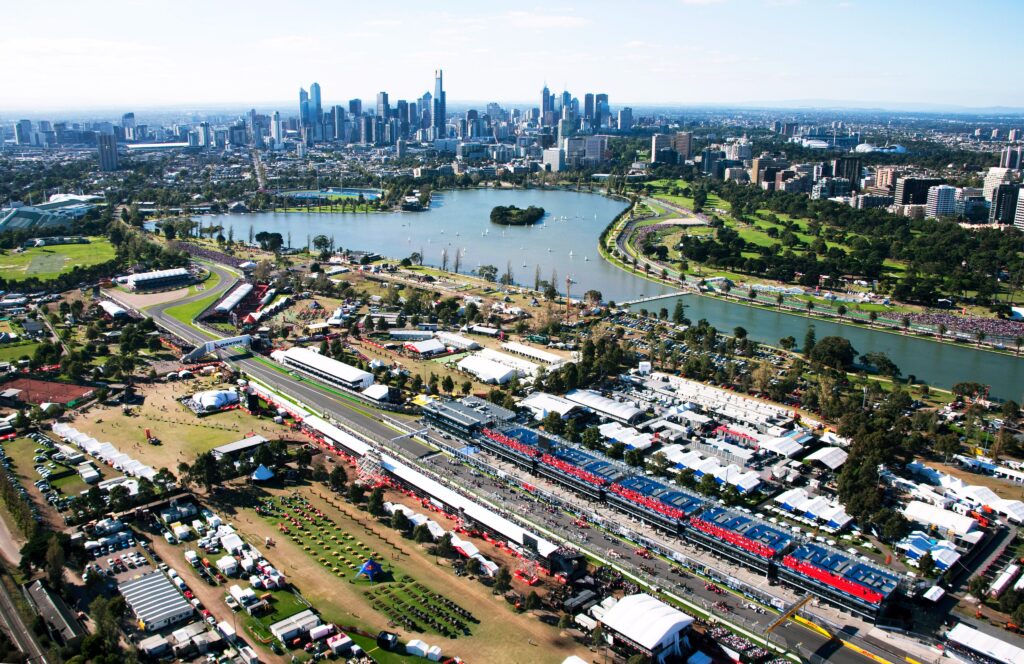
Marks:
<point>592,438</point>
<point>707,484</point>
<point>337,479</point>
<point>447,384</point>
<point>502,580</point>
<point>597,637</point>
<point>881,362</point>
<point>356,492</point>
<point>787,343</point>
<point>809,341</point>
<point>421,534</point>
<point>834,352</point>
<point>488,272</point>
<point>375,503</point>
<point>532,601</point>
<point>399,521</point>
<point>444,547</point>
<point>926,564</point>
<point>55,564</point>
<point>564,621</point>
<point>205,471</point>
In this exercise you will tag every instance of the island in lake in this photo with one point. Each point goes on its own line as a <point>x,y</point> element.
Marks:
<point>510,215</point>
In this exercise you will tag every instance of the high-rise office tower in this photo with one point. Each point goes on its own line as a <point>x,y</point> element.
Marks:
<point>941,202</point>
<point>682,143</point>
<point>402,113</point>
<point>625,118</point>
<point>426,111</point>
<point>602,111</point>
<point>439,116</point>
<point>1011,155</point>
<point>1014,135</point>
<point>994,178</point>
<point>383,108</point>
<point>885,177</point>
<point>340,123</point>
<point>303,106</point>
<point>316,112</point>
<point>128,120</point>
<point>275,130</point>
<point>849,168</point>
<point>1004,203</point>
<point>355,107</point>
<point>588,106</point>
<point>659,142</point>
<point>23,132</point>
<point>106,147</point>
<point>913,190</point>
<point>547,103</point>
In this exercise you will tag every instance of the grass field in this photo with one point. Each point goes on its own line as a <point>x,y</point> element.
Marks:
<point>186,313</point>
<point>12,352</point>
<point>49,262</point>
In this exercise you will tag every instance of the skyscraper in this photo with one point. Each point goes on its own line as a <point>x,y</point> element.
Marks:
<point>602,111</point>
<point>303,106</point>
<point>355,107</point>
<point>439,115</point>
<point>588,106</point>
<point>275,131</point>
<point>316,112</point>
<point>1004,203</point>
<point>625,118</point>
<point>23,132</point>
<point>383,108</point>
<point>547,103</point>
<point>128,120</point>
<point>683,144</point>
<point>941,202</point>
<point>659,142</point>
<point>106,147</point>
<point>994,178</point>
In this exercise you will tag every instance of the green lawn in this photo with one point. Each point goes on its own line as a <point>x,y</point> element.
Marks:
<point>12,352</point>
<point>186,313</point>
<point>49,262</point>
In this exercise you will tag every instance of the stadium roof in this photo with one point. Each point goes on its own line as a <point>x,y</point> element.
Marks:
<point>645,620</point>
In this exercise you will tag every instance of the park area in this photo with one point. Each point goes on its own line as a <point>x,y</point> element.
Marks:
<point>49,262</point>
<point>183,435</point>
<point>322,561</point>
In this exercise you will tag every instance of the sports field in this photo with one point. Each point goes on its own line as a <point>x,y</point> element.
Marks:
<point>49,262</point>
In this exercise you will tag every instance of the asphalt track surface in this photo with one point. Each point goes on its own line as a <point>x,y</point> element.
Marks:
<point>394,433</point>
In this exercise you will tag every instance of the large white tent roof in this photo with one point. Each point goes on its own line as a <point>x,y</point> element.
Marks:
<point>930,515</point>
<point>833,457</point>
<point>645,620</point>
<point>990,646</point>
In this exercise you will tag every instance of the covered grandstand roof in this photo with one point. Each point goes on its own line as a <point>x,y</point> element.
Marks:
<point>965,636</point>
<point>344,372</point>
<point>645,620</point>
<point>470,508</point>
<point>619,410</point>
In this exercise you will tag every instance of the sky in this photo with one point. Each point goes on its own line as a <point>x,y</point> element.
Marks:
<point>131,54</point>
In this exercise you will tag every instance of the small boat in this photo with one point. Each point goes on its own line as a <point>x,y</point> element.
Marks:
<point>570,253</point>
<point>524,263</point>
<point>586,258</point>
<point>549,250</point>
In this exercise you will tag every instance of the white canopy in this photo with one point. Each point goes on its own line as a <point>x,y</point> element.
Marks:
<point>646,620</point>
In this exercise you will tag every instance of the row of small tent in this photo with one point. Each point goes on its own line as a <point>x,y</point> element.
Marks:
<point>950,489</point>
<point>416,518</point>
<point>744,481</point>
<point>815,508</point>
<point>105,452</point>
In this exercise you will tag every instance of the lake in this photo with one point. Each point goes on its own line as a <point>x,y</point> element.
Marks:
<point>565,244</point>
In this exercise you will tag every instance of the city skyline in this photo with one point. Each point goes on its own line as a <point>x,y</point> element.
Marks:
<point>697,52</point>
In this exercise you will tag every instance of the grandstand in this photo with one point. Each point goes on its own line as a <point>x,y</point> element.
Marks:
<point>738,537</point>
<point>839,579</point>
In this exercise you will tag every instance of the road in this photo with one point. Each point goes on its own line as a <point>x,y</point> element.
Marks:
<point>557,523</point>
<point>20,634</point>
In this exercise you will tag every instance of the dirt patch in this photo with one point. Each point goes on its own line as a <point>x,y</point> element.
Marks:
<point>183,435</point>
<point>143,300</point>
<point>42,391</point>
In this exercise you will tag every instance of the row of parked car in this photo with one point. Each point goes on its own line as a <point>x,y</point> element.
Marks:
<point>12,477</point>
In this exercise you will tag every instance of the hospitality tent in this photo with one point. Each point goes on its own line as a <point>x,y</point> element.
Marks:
<point>648,622</point>
<point>833,457</point>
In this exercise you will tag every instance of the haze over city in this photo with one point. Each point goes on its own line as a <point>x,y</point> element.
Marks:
<point>198,54</point>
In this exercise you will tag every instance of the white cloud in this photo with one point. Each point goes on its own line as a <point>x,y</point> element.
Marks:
<point>542,21</point>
